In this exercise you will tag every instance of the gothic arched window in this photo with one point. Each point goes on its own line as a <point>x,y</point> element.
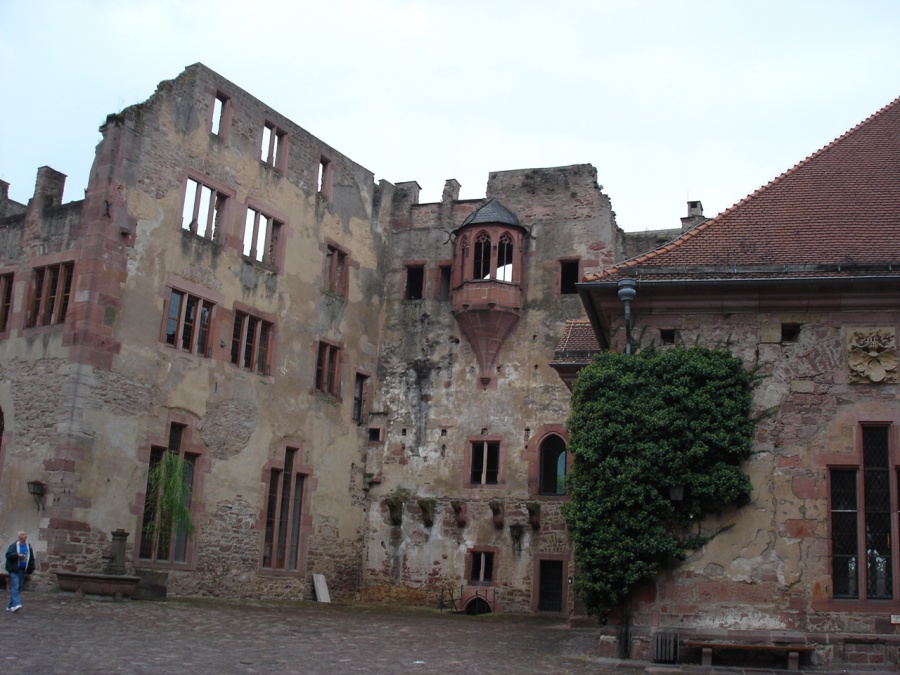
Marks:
<point>553,466</point>
<point>481,264</point>
<point>505,258</point>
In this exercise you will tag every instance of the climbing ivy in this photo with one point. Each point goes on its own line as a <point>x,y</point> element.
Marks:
<point>640,424</point>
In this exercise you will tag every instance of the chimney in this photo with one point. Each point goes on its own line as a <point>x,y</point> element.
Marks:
<point>48,189</point>
<point>694,216</point>
<point>451,191</point>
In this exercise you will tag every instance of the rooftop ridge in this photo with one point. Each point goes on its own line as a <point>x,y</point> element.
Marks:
<point>717,219</point>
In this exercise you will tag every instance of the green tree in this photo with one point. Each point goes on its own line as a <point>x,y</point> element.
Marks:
<point>639,425</point>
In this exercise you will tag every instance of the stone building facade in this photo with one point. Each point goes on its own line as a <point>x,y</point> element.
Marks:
<point>360,384</point>
<point>800,281</point>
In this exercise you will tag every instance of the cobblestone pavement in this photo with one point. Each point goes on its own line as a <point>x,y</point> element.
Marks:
<point>62,633</point>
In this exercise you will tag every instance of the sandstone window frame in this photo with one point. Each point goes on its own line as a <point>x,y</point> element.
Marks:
<point>220,116</point>
<point>262,236</point>
<point>329,357</point>
<point>489,253</point>
<point>252,340</point>
<point>336,269</point>
<point>485,458</point>
<point>855,509</point>
<point>51,291</point>
<point>273,146</point>
<point>535,457</point>
<point>180,550</point>
<point>482,565</point>
<point>6,296</point>
<point>553,451</point>
<point>181,326</point>
<point>286,521</point>
<point>360,387</point>
<point>210,204</point>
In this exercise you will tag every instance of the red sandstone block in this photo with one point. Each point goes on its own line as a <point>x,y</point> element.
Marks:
<point>800,527</point>
<point>60,524</point>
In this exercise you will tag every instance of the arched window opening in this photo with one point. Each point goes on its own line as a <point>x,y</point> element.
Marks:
<point>505,258</point>
<point>482,260</point>
<point>553,466</point>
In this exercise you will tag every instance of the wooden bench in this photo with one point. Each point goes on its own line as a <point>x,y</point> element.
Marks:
<point>793,651</point>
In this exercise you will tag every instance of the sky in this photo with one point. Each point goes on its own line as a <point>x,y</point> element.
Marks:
<point>671,101</point>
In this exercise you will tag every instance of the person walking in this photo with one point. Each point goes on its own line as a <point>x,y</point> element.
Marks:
<point>19,562</point>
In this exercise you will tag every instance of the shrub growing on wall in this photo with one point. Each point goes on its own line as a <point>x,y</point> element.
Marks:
<point>639,425</point>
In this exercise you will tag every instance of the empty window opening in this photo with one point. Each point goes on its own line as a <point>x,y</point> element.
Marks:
<point>667,336</point>
<point>171,545</point>
<point>505,258</point>
<point>261,233</point>
<point>485,463</point>
<point>415,282</point>
<point>359,391</point>
<point>374,434</point>
<point>250,343</point>
<point>790,332</point>
<point>482,260</point>
<point>52,291</point>
<point>6,287</point>
<point>446,272</point>
<point>203,210</point>
<point>324,179</point>
<point>272,146</point>
<point>328,369</point>
<point>568,277</point>
<point>284,506</point>
<point>553,466</point>
<point>188,323</point>
<point>335,271</point>
<point>482,567</point>
<point>218,116</point>
<point>861,502</point>
<point>551,580</point>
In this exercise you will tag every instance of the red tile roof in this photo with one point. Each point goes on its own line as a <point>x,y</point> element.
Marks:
<point>577,344</point>
<point>836,213</point>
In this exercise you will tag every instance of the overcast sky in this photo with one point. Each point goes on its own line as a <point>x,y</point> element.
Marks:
<point>671,100</point>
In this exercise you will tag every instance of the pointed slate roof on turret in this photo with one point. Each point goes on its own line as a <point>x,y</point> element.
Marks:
<point>492,212</point>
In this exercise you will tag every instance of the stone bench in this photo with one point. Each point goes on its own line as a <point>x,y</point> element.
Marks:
<point>793,651</point>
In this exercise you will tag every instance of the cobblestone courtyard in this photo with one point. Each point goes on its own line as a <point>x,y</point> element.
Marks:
<point>61,633</point>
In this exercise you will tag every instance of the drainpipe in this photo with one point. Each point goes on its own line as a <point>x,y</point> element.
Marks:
<point>627,292</point>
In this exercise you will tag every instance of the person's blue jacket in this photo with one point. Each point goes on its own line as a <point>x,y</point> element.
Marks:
<point>12,559</point>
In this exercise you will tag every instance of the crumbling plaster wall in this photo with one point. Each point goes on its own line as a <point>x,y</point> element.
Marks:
<point>118,405</point>
<point>433,403</point>
<point>769,572</point>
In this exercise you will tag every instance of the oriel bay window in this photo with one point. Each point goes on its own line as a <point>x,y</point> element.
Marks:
<point>863,507</point>
<point>251,342</point>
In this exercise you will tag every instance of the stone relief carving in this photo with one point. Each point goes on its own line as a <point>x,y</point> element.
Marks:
<point>872,356</point>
